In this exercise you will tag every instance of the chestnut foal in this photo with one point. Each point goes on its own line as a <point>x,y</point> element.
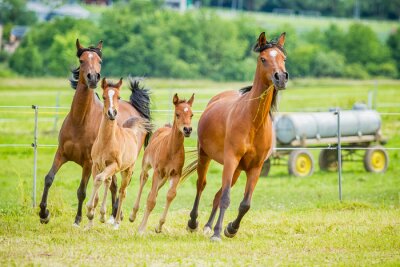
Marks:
<point>115,150</point>
<point>166,155</point>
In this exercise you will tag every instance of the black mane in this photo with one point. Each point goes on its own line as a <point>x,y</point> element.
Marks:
<point>75,77</point>
<point>89,49</point>
<point>270,44</point>
<point>274,103</point>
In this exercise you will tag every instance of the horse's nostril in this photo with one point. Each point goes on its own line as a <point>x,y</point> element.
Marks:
<point>98,76</point>
<point>276,76</point>
<point>88,76</point>
<point>286,75</point>
<point>115,113</point>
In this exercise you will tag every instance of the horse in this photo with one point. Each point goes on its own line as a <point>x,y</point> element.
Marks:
<point>115,149</point>
<point>80,127</point>
<point>165,154</point>
<point>235,130</point>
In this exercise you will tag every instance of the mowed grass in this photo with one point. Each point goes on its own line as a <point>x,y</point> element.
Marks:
<point>292,221</point>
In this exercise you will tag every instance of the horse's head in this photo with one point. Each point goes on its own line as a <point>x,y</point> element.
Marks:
<point>90,63</point>
<point>110,97</point>
<point>183,114</point>
<point>271,61</point>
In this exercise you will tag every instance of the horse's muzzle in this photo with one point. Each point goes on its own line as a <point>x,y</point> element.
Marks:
<point>112,114</point>
<point>187,131</point>
<point>280,80</point>
<point>93,80</point>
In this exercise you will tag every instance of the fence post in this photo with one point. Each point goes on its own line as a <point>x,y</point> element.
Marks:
<point>339,151</point>
<point>34,145</point>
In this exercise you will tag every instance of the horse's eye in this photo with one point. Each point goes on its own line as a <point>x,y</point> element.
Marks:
<point>80,61</point>
<point>177,115</point>
<point>119,98</point>
<point>104,98</point>
<point>191,116</point>
<point>263,60</point>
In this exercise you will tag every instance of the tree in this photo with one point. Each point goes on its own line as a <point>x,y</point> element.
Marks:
<point>393,43</point>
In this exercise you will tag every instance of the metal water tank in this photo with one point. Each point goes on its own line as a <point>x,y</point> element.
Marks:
<point>316,125</point>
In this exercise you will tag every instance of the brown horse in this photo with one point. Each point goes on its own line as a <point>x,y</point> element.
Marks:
<point>236,130</point>
<point>166,155</point>
<point>115,149</point>
<point>80,127</point>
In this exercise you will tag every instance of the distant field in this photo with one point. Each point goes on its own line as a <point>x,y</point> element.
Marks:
<point>292,221</point>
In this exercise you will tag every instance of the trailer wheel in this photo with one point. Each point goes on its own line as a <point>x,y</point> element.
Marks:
<point>301,163</point>
<point>266,168</point>
<point>376,159</point>
<point>328,160</point>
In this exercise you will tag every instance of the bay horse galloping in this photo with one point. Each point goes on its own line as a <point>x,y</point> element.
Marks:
<point>115,149</point>
<point>236,131</point>
<point>80,127</point>
<point>165,154</point>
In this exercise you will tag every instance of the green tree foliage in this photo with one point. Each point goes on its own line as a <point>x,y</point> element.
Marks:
<point>27,60</point>
<point>394,44</point>
<point>15,12</point>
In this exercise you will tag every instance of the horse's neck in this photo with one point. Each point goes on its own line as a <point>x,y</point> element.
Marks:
<point>82,103</point>
<point>175,140</point>
<point>259,100</point>
<point>107,130</point>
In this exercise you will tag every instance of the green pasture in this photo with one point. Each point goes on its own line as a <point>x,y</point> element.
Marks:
<point>292,221</point>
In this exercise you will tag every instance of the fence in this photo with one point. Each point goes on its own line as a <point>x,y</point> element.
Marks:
<point>168,112</point>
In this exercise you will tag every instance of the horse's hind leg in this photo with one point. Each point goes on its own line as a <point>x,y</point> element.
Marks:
<point>81,192</point>
<point>170,197</point>
<point>58,161</point>
<point>126,179</point>
<point>217,198</point>
<point>202,167</point>
<point>143,179</point>
<point>103,207</point>
<point>252,178</point>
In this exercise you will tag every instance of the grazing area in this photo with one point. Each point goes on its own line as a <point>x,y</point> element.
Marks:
<point>292,221</point>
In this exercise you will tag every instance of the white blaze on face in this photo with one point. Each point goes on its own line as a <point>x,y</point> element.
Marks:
<point>111,93</point>
<point>90,56</point>
<point>186,109</point>
<point>273,53</point>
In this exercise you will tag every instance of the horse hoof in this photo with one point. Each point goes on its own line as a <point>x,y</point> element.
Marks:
<point>75,225</point>
<point>45,220</point>
<point>111,220</point>
<point>207,230</point>
<point>102,218</point>
<point>230,231</point>
<point>132,218</point>
<point>215,239</point>
<point>141,232</point>
<point>192,227</point>
<point>78,220</point>
<point>116,226</point>
<point>157,229</point>
<point>89,225</point>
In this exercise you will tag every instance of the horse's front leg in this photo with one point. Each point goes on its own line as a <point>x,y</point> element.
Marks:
<point>58,161</point>
<point>170,197</point>
<point>81,192</point>
<point>230,165</point>
<point>126,179</point>
<point>103,208</point>
<point>252,178</point>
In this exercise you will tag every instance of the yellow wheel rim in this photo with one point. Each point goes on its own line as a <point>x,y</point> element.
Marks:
<point>303,165</point>
<point>378,160</point>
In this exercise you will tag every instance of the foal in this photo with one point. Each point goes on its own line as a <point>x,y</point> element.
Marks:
<point>166,155</point>
<point>114,150</point>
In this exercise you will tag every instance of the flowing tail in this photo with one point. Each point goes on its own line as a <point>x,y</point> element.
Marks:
<point>138,125</point>
<point>140,100</point>
<point>190,167</point>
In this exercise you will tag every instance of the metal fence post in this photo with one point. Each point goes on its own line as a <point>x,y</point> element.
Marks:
<point>339,151</point>
<point>34,145</point>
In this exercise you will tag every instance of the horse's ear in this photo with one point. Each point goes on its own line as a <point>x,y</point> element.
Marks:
<point>78,45</point>
<point>100,45</point>
<point>175,100</point>
<point>261,41</point>
<point>103,83</point>
<point>281,39</point>
<point>119,83</point>
<point>190,101</point>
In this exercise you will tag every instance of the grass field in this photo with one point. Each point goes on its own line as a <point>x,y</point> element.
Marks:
<point>292,221</point>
